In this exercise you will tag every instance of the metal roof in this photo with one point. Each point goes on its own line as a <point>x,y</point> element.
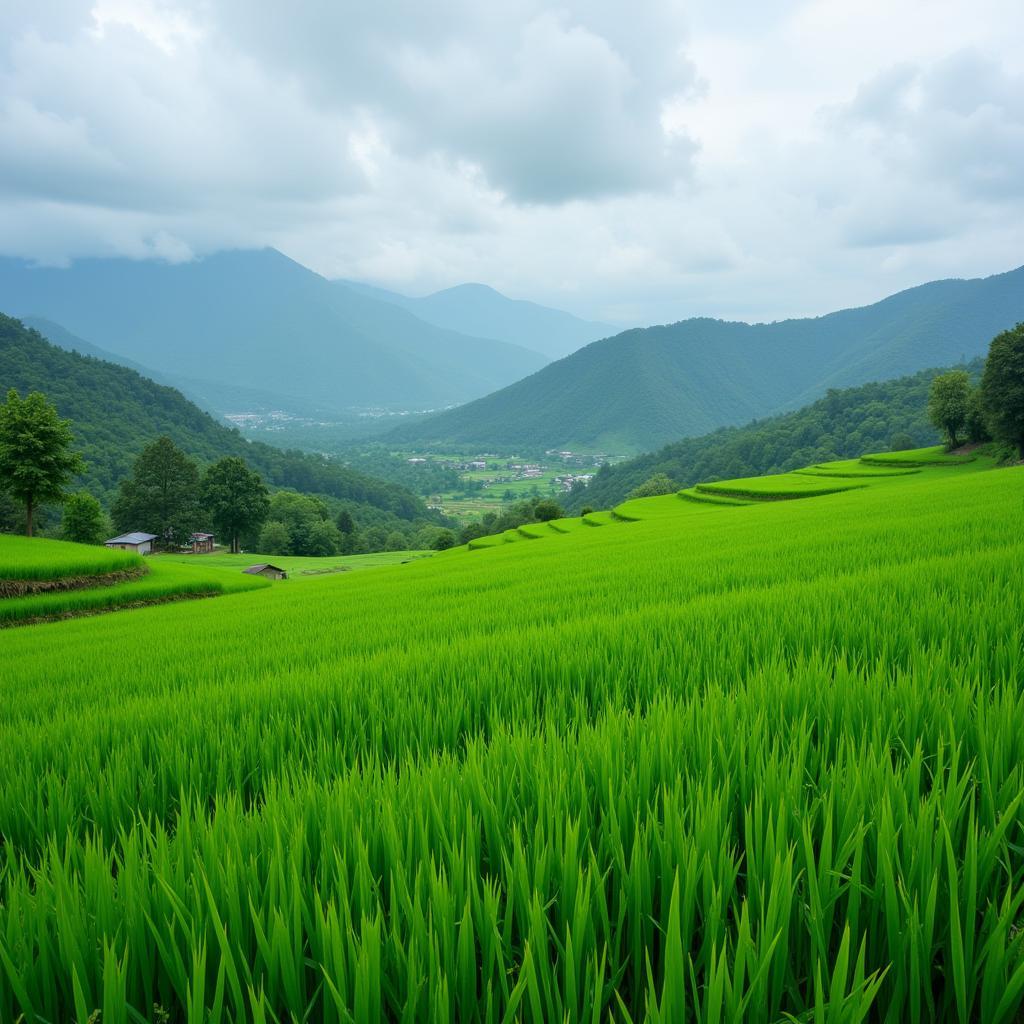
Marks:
<point>253,569</point>
<point>132,538</point>
<point>201,536</point>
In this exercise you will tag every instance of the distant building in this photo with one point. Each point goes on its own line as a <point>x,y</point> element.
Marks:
<point>140,543</point>
<point>202,543</point>
<point>271,572</point>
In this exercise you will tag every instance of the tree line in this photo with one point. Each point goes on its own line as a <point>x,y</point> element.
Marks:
<point>169,495</point>
<point>992,411</point>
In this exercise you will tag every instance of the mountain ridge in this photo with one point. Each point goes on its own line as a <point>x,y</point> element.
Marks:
<point>261,321</point>
<point>649,386</point>
<point>480,310</point>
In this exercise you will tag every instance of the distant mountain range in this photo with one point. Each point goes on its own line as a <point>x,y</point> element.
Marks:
<point>640,389</point>
<point>481,311</point>
<point>240,325</point>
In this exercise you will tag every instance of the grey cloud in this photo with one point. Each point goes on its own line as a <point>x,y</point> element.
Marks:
<point>550,106</point>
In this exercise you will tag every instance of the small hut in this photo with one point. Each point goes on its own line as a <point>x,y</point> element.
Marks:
<point>140,543</point>
<point>271,572</point>
<point>202,543</point>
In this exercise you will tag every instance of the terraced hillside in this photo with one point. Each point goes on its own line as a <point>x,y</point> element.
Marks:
<point>688,761</point>
<point>45,579</point>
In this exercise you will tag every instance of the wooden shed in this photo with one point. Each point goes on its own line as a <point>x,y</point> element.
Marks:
<point>271,572</point>
<point>140,543</point>
<point>202,543</point>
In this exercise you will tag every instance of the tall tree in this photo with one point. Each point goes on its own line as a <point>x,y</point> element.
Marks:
<point>36,461</point>
<point>948,403</point>
<point>235,497</point>
<point>83,520</point>
<point>1002,387</point>
<point>162,494</point>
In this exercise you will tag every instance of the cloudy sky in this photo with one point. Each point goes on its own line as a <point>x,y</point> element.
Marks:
<point>637,163</point>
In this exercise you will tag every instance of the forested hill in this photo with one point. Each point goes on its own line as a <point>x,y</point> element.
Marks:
<point>645,387</point>
<point>844,424</point>
<point>114,412</point>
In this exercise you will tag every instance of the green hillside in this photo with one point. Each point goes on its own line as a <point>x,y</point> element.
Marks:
<point>258,321</point>
<point>115,412</point>
<point>842,424</point>
<point>685,762</point>
<point>646,387</point>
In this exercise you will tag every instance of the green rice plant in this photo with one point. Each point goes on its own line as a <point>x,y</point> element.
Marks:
<point>710,498</point>
<point>34,558</point>
<point>856,468</point>
<point>934,456</point>
<point>708,766</point>
<point>164,582</point>
<point>534,531</point>
<point>298,567</point>
<point>778,488</point>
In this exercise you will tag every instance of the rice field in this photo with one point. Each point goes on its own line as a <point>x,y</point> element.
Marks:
<point>756,763</point>
<point>162,581</point>
<point>298,567</point>
<point>34,558</point>
<point>934,456</point>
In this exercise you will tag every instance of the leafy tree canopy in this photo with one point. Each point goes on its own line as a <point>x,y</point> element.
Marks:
<point>161,496</point>
<point>36,461</point>
<point>84,520</point>
<point>948,402</point>
<point>235,498</point>
<point>1002,387</point>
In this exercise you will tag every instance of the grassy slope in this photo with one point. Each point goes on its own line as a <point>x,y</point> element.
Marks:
<point>164,581</point>
<point>748,746</point>
<point>844,423</point>
<point>299,567</point>
<point>33,558</point>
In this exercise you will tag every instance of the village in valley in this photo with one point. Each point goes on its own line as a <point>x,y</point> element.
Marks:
<point>488,481</point>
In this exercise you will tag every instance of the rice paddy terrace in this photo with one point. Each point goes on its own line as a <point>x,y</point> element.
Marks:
<point>42,580</point>
<point>711,757</point>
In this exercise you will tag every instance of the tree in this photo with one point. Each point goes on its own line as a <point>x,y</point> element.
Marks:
<point>301,514</point>
<point>346,524</point>
<point>947,403</point>
<point>36,462</point>
<point>655,485</point>
<point>1002,387</point>
<point>324,539</point>
<point>274,538</point>
<point>443,540</point>
<point>546,510</point>
<point>901,442</point>
<point>162,494</point>
<point>84,521</point>
<point>235,497</point>
<point>374,539</point>
<point>976,424</point>
<point>396,542</point>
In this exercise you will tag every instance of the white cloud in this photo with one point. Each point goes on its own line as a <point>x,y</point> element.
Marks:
<point>641,165</point>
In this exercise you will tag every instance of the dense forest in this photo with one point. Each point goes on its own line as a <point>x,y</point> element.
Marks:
<point>115,412</point>
<point>845,423</point>
<point>647,387</point>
